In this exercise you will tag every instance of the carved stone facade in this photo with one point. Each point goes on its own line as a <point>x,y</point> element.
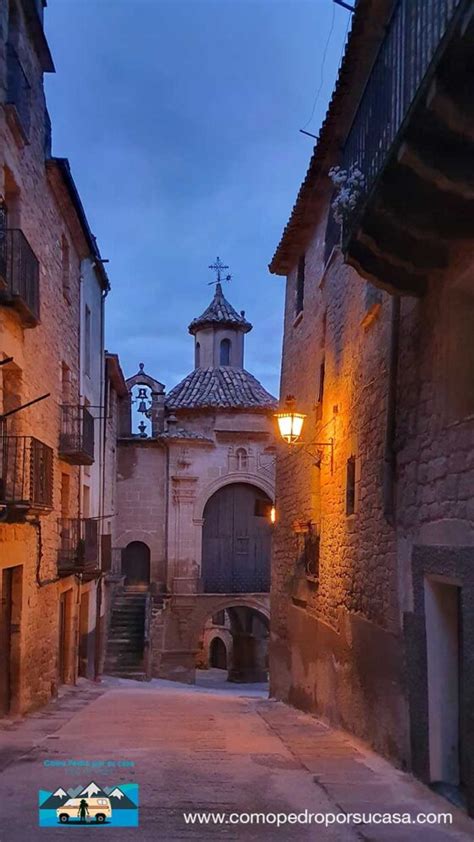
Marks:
<point>210,435</point>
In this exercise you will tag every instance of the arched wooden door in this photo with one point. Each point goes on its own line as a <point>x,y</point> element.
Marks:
<point>218,654</point>
<point>136,563</point>
<point>236,541</point>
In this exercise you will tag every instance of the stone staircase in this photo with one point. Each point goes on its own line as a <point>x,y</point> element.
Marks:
<point>125,654</point>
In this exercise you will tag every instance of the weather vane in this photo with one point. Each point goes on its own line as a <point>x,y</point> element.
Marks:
<point>219,267</point>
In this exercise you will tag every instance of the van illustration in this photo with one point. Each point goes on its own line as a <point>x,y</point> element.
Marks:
<point>85,809</point>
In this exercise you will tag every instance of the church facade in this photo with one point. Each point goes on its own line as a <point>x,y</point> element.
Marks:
<point>195,496</point>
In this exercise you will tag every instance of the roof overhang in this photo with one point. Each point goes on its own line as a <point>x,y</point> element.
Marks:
<point>64,188</point>
<point>367,32</point>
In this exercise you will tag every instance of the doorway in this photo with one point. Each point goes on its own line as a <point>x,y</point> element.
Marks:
<point>83,653</point>
<point>65,608</point>
<point>218,654</point>
<point>10,634</point>
<point>136,563</point>
<point>444,658</point>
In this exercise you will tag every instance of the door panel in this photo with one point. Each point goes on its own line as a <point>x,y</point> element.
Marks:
<point>236,541</point>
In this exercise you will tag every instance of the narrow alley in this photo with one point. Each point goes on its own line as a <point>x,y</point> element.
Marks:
<point>214,747</point>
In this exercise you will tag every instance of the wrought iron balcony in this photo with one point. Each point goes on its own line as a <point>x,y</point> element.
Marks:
<point>26,476</point>
<point>78,546</point>
<point>19,275</point>
<point>408,140</point>
<point>18,93</point>
<point>76,439</point>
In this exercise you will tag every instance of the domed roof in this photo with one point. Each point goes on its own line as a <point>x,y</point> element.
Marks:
<point>220,388</point>
<point>221,313</point>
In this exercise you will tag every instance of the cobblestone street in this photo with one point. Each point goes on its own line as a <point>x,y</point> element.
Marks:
<point>214,747</point>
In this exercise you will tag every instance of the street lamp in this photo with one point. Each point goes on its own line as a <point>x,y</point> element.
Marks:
<point>290,423</point>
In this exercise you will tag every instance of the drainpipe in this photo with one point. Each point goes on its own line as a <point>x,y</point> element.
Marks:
<point>102,452</point>
<point>390,459</point>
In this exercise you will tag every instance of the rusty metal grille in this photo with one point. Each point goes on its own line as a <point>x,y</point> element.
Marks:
<point>78,545</point>
<point>77,432</point>
<point>26,472</point>
<point>21,269</point>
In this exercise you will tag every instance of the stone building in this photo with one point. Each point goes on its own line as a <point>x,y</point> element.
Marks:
<point>51,471</point>
<point>373,563</point>
<point>194,505</point>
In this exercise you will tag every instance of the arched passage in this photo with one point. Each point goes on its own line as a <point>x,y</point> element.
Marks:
<point>136,563</point>
<point>236,540</point>
<point>217,654</point>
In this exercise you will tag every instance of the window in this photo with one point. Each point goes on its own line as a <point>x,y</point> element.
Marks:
<point>225,352</point>
<point>333,233</point>
<point>311,553</point>
<point>321,381</point>
<point>86,501</point>
<point>350,485</point>
<point>87,341</point>
<point>65,384</point>
<point>65,495</point>
<point>242,459</point>
<point>197,355</point>
<point>219,619</point>
<point>65,267</point>
<point>300,285</point>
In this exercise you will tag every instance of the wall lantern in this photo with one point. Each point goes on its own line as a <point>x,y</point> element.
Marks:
<point>290,422</point>
<point>273,515</point>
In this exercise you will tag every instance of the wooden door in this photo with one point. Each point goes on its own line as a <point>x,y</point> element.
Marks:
<point>10,628</point>
<point>236,541</point>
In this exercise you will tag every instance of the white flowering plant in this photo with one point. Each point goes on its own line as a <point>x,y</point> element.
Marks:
<point>349,186</point>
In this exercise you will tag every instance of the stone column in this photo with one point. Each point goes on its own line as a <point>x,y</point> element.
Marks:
<point>248,659</point>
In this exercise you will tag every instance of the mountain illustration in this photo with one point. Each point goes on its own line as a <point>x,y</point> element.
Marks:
<point>55,800</point>
<point>74,791</point>
<point>92,791</point>
<point>119,800</point>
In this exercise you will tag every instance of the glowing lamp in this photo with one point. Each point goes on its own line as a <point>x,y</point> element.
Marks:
<point>290,423</point>
<point>272,514</point>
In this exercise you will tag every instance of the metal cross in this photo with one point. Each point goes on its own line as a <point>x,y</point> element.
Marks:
<point>218,267</point>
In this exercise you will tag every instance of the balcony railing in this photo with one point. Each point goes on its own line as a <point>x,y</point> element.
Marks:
<point>414,36</point>
<point>76,439</point>
<point>78,546</point>
<point>26,475</point>
<point>19,271</point>
<point>18,91</point>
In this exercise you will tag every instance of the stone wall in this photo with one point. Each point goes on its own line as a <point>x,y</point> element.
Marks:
<point>338,643</point>
<point>46,361</point>
<point>141,499</point>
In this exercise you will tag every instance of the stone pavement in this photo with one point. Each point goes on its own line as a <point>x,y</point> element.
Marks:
<point>214,747</point>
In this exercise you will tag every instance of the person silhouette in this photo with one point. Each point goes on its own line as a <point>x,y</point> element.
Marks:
<point>83,810</point>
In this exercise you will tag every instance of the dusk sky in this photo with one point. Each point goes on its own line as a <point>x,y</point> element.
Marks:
<point>180,119</point>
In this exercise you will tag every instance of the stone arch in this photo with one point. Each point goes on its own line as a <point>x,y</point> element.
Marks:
<point>205,608</point>
<point>258,481</point>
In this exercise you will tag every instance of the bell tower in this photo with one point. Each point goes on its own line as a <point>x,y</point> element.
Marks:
<point>219,331</point>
